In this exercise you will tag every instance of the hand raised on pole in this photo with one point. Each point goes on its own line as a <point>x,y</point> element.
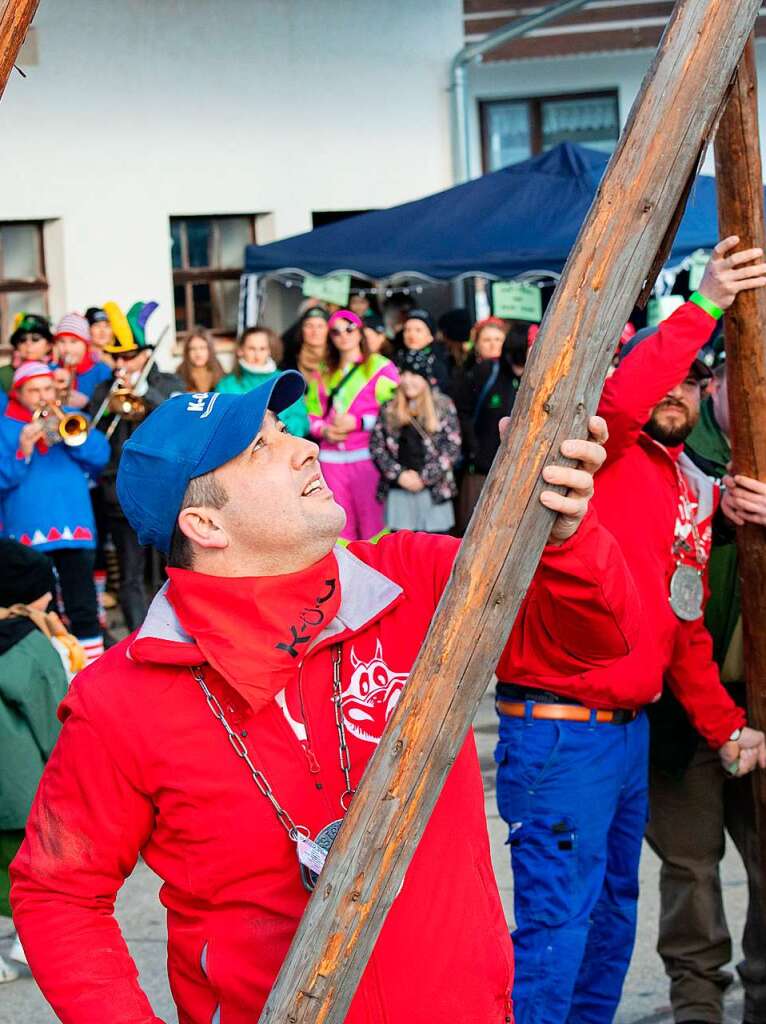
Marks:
<point>572,506</point>
<point>726,274</point>
<point>744,500</point>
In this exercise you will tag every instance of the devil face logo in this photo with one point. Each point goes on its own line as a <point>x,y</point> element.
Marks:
<point>371,696</point>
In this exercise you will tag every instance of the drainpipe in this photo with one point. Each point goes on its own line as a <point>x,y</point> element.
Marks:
<point>472,53</point>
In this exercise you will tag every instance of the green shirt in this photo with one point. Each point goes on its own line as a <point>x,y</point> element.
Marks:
<point>295,418</point>
<point>723,609</point>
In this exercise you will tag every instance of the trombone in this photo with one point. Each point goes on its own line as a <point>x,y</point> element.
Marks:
<point>69,427</point>
<point>122,401</point>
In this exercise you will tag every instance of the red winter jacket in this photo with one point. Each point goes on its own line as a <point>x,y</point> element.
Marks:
<point>142,767</point>
<point>637,500</point>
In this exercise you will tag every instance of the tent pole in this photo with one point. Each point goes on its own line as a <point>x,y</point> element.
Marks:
<point>739,175</point>
<point>627,223</point>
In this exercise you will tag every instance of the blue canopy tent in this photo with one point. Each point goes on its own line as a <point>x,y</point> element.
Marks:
<point>522,218</point>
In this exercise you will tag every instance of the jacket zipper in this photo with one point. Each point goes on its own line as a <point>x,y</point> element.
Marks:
<point>314,766</point>
<point>311,758</point>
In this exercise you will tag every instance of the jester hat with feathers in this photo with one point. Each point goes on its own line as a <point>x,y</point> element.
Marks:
<point>29,323</point>
<point>129,331</point>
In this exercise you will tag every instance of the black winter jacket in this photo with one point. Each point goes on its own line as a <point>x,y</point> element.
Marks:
<point>480,407</point>
<point>161,387</point>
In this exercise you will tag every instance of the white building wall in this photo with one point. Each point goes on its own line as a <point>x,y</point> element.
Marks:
<point>142,109</point>
<point>527,78</point>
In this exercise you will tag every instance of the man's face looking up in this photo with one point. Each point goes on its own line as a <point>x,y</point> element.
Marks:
<point>278,507</point>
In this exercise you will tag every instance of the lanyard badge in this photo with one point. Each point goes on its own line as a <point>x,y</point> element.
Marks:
<point>311,853</point>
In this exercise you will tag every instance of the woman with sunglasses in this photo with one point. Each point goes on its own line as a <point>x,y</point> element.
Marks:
<point>343,402</point>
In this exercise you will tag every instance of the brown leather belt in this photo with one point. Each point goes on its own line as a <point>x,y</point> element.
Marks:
<point>564,712</point>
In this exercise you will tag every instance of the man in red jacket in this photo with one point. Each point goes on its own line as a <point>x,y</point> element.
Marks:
<point>572,775</point>
<point>224,741</point>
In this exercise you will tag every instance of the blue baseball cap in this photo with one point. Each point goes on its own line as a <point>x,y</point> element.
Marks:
<point>188,436</point>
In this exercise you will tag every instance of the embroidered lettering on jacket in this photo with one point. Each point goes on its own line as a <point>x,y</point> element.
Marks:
<point>308,620</point>
<point>372,693</point>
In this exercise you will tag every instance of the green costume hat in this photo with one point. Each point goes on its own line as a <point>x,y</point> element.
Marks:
<point>137,330</point>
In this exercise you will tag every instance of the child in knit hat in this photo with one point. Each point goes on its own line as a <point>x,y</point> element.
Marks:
<point>77,375</point>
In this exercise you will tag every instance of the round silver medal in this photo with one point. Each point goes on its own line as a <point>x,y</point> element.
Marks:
<point>325,838</point>
<point>686,592</point>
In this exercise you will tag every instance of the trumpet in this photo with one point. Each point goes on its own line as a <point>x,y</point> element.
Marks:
<point>69,427</point>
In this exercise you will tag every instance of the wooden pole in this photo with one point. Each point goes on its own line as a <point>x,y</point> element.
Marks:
<point>739,183</point>
<point>674,113</point>
<point>15,18</point>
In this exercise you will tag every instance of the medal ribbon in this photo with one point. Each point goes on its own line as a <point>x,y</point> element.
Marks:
<point>689,546</point>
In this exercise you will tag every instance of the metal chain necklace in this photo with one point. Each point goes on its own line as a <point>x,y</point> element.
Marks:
<point>311,853</point>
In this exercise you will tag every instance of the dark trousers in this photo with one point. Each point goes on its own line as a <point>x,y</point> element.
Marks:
<point>132,558</point>
<point>75,571</point>
<point>689,820</point>
<point>102,527</point>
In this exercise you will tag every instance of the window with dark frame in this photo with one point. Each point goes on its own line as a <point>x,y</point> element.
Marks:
<point>517,129</point>
<point>207,255</point>
<point>23,284</point>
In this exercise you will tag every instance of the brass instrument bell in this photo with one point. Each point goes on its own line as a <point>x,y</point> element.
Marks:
<point>122,402</point>
<point>69,427</point>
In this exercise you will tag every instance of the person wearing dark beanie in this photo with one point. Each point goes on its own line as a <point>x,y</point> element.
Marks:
<point>101,334</point>
<point>419,336</point>
<point>26,575</point>
<point>415,445</point>
<point>455,333</point>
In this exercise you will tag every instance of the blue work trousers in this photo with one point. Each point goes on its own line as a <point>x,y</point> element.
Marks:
<point>575,798</point>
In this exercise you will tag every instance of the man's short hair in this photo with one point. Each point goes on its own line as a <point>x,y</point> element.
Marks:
<point>203,492</point>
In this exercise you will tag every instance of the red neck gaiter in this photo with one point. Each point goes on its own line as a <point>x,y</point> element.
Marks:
<point>85,364</point>
<point>255,630</point>
<point>16,411</point>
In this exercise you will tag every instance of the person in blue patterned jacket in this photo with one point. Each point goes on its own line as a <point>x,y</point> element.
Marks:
<point>44,495</point>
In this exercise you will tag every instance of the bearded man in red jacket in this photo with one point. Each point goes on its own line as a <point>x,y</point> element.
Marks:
<point>237,723</point>
<point>573,754</point>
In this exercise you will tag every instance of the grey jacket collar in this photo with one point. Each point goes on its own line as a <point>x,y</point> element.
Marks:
<point>365,593</point>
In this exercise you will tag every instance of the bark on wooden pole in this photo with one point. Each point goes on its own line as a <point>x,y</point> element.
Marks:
<point>739,184</point>
<point>15,18</point>
<point>675,111</point>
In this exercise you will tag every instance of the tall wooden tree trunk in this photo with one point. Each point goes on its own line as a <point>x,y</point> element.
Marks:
<point>739,182</point>
<point>15,18</point>
<point>674,113</point>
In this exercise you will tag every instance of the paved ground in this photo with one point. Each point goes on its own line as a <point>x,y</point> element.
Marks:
<point>645,998</point>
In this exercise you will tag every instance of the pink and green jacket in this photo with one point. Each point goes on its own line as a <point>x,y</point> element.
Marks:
<point>362,392</point>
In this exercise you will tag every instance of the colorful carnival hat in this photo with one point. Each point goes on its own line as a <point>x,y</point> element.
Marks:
<point>29,323</point>
<point>129,331</point>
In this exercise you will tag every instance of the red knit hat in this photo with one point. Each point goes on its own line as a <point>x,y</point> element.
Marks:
<point>27,371</point>
<point>73,325</point>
